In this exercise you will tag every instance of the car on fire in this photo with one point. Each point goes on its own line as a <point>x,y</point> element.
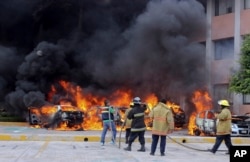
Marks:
<point>119,114</point>
<point>179,117</point>
<point>206,124</point>
<point>56,116</point>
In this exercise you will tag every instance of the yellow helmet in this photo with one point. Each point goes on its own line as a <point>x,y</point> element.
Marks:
<point>223,103</point>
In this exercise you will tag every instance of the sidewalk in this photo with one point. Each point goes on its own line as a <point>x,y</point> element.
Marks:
<point>23,132</point>
<point>59,151</point>
<point>22,143</point>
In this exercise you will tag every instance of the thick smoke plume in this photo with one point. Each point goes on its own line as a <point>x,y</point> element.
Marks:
<point>144,46</point>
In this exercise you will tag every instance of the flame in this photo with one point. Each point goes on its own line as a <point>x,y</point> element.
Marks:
<point>152,100</point>
<point>89,104</point>
<point>86,102</point>
<point>202,101</point>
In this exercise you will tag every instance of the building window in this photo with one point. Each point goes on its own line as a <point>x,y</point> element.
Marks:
<point>221,92</point>
<point>246,4</point>
<point>246,98</point>
<point>224,49</point>
<point>223,7</point>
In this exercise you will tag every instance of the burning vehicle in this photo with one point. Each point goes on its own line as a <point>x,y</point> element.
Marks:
<point>119,115</point>
<point>94,115</point>
<point>206,124</point>
<point>179,116</point>
<point>57,116</point>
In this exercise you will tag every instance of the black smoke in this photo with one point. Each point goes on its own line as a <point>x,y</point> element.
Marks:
<point>146,46</point>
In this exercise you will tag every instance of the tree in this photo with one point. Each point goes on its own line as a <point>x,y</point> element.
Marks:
<point>240,81</point>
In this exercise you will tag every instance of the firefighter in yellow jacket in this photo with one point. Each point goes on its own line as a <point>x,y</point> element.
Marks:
<point>223,129</point>
<point>163,124</point>
<point>128,123</point>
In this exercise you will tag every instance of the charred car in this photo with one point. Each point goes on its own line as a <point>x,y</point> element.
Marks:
<point>56,116</point>
<point>206,124</point>
<point>179,117</point>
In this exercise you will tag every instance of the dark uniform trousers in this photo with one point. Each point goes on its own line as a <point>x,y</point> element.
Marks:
<point>134,135</point>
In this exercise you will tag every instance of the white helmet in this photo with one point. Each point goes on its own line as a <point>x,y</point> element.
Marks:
<point>137,100</point>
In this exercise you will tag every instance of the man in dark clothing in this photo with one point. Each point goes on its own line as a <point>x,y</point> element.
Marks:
<point>138,125</point>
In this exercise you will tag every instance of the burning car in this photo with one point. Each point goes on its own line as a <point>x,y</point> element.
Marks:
<point>206,124</point>
<point>179,116</point>
<point>57,117</point>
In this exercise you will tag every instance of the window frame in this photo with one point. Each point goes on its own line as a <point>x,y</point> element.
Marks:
<point>246,99</point>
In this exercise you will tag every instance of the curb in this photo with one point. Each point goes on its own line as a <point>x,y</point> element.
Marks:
<point>92,138</point>
<point>88,136</point>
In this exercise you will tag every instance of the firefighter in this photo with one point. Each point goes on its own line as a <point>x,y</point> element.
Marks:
<point>128,123</point>
<point>163,124</point>
<point>138,126</point>
<point>223,128</point>
<point>107,113</point>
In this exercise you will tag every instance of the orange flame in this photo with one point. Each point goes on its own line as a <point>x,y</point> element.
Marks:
<point>202,101</point>
<point>89,104</point>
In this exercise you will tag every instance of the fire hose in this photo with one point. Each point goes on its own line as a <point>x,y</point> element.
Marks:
<point>189,147</point>
<point>120,134</point>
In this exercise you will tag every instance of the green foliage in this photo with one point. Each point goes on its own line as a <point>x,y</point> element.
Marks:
<point>240,81</point>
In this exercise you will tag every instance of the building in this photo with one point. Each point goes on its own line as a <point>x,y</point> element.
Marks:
<point>228,21</point>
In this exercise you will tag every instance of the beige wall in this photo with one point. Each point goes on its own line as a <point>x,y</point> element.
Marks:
<point>245,22</point>
<point>244,109</point>
<point>222,26</point>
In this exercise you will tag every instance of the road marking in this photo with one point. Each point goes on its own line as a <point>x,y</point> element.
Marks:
<point>41,150</point>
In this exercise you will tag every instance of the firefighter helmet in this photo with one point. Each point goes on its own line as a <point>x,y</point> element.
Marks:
<point>131,104</point>
<point>223,103</point>
<point>137,100</point>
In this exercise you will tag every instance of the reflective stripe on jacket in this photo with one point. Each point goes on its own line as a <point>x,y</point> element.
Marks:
<point>107,113</point>
<point>163,120</point>
<point>137,116</point>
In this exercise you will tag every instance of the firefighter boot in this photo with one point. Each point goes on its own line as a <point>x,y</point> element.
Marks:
<point>128,148</point>
<point>142,149</point>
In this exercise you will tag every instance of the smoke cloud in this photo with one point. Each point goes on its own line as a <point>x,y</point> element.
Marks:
<point>145,46</point>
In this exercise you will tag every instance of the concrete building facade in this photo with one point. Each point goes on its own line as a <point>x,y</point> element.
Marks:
<point>228,21</point>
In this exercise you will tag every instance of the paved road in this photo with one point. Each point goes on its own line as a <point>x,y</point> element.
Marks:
<point>59,151</point>
<point>21,143</point>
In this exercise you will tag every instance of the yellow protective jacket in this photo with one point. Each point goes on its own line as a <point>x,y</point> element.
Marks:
<point>127,121</point>
<point>224,122</point>
<point>163,120</point>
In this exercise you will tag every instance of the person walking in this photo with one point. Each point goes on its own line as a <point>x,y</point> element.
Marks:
<point>107,113</point>
<point>163,124</point>
<point>223,127</point>
<point>138,126</point>
<point>127,123</point>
